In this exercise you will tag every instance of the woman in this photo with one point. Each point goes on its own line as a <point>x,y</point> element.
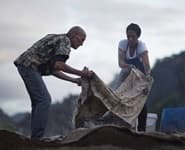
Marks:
<point>133,52</point>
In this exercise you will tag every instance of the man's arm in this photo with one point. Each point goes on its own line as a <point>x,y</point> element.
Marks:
<point>61,66</point>
<point>63,76</point>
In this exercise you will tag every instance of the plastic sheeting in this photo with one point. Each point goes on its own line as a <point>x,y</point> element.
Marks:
<point>173,120</point>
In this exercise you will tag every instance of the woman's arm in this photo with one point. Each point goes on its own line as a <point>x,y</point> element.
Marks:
<point>146,62</point>
<point>121,59</point>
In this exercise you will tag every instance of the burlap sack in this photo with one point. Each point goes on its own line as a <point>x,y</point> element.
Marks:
<point>126,101</point>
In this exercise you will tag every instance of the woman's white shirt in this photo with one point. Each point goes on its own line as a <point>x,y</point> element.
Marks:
<point>123,47</point>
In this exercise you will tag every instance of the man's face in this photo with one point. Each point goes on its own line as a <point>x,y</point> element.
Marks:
<point>132,38</point>
<point>77,40</point>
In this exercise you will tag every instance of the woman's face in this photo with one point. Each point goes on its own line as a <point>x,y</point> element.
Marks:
<point>132,38</point>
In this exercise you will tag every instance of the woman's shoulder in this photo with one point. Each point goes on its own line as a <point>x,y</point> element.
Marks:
<point>142,46</point>
<point>123,44</point>
<point>123,41</point>
<point>140,42</point>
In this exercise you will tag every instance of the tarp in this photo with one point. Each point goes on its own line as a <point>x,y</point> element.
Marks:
<point>126,101</point>
<point>173,120</point>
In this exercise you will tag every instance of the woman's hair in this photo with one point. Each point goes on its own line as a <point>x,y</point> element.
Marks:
<point>134,27</point>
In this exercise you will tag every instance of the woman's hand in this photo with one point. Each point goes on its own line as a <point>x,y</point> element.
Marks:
<point>131,66</point>
<point>146,91</point>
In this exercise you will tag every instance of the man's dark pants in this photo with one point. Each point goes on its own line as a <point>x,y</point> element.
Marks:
<point>40,100</point>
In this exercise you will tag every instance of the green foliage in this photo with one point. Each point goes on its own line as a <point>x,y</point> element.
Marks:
<point>169,101</point>
<point>182,78</point>
<point>6,122</point>
<point>168,89</point>
<point>8,126</point>
<point>61,116</point>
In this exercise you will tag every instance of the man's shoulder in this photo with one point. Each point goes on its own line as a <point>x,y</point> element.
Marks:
<point>53,39</point>
<point>64,37</point>
<point>56,36</point>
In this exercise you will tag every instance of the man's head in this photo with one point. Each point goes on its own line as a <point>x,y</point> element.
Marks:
<point>133,32</point>
<point>77,36</point>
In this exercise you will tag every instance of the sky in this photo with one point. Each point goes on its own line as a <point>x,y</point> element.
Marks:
<point>24,22</point>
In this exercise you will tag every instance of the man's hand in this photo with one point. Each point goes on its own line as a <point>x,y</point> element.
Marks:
<point>86,73</point>
<point>89,74</point>
<point>77,81</point>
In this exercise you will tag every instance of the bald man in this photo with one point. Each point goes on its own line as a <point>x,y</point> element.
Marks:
<point>48,56</point>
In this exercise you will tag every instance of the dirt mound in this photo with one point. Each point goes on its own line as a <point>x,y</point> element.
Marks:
<point>103,137</point>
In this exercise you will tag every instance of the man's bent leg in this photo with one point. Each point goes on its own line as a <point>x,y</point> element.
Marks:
<point>40,99</point>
